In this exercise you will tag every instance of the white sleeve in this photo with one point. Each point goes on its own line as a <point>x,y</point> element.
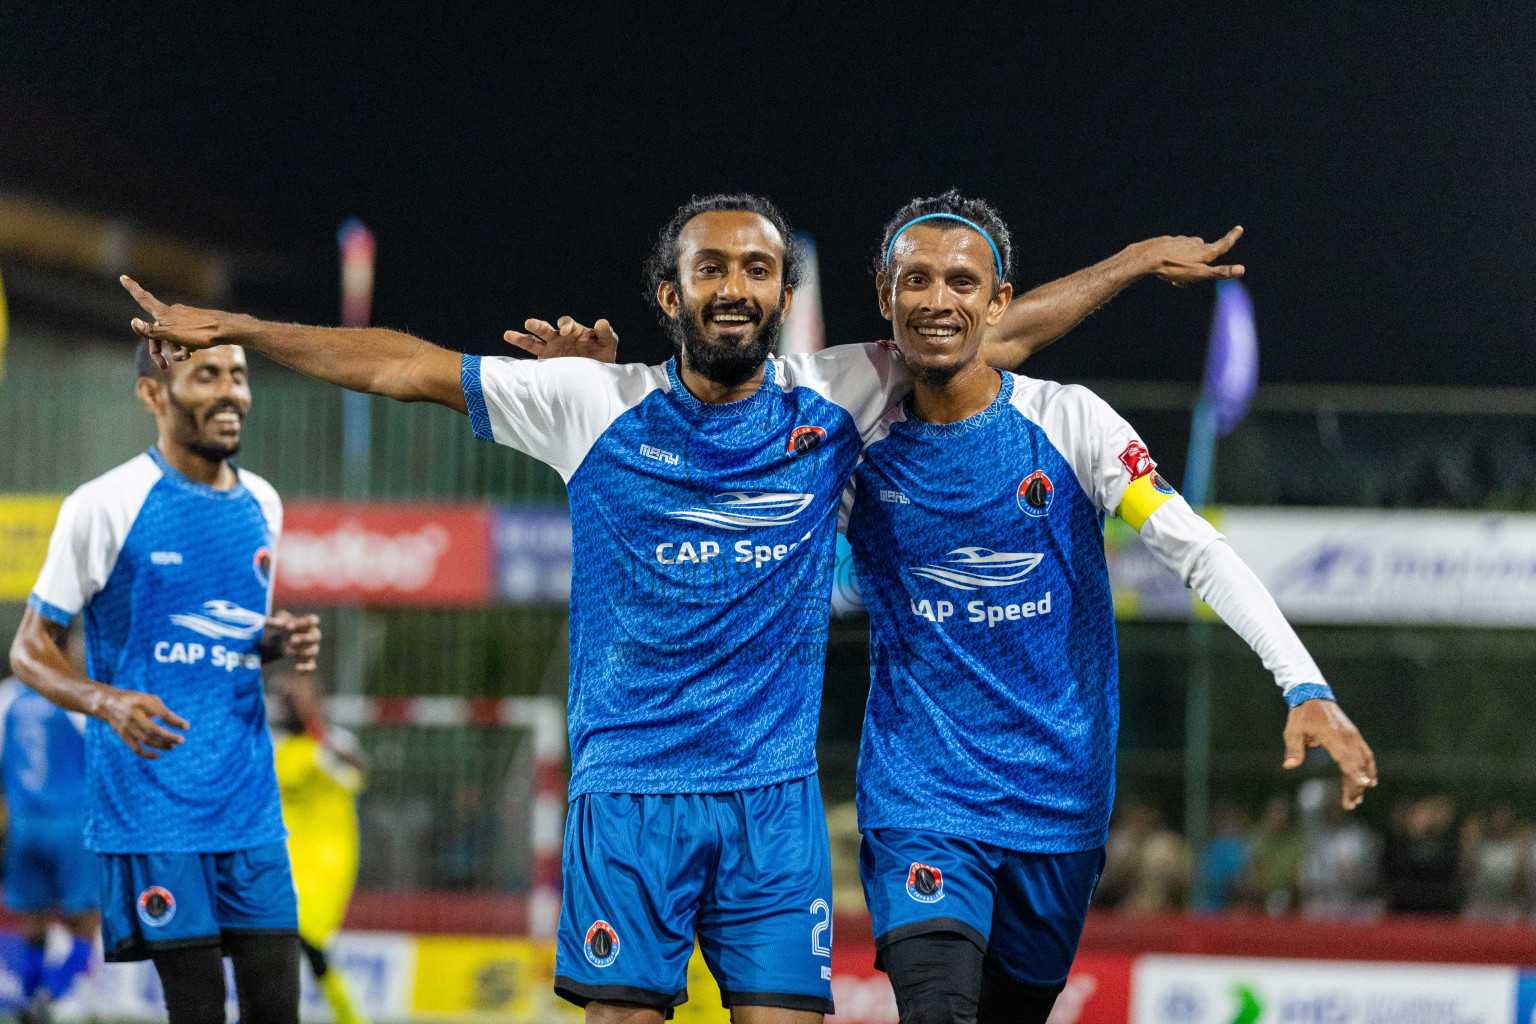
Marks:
<point>1105,454</point>
<point>81,554</point>
<point>864,380</point>
<point>551,409</point>
<point>1192,549</point>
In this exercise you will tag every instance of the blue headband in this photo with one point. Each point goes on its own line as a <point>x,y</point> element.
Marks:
<point>948,216</point>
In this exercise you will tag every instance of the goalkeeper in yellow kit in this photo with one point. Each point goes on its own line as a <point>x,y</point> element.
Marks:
<point>320,771</point>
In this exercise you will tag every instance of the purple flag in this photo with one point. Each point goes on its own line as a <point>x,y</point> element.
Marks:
<point>1232,362</point>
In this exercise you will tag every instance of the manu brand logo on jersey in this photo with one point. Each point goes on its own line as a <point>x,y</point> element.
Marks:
<point>602,945</point>
<point>973,567</point>
<point>1137,460</point>
<point>165,557</point>
<point>803,439</point>
<point>894,497</point>
<point>1036,492</point>
<point>659,454</point>
<point>925,883</point>
<point>222,620</point>
<point>738,510</point>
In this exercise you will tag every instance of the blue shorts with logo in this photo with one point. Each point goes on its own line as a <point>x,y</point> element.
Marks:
<point>157,901</point>
<point>1025,910</point>
<point>749,873</point>
<point>47,866</point>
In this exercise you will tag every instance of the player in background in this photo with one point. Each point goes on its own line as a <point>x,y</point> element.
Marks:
<point>704,497</point>
<point>47,868</point>
<point>321,769</point>
<point>986,771</point>
<point>169,557</point>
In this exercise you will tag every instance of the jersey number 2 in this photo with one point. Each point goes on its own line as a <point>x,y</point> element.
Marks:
<point>821,935</point>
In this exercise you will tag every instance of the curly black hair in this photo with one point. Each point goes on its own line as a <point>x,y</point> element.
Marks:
<point>952,202</point>
<point>661,265</point>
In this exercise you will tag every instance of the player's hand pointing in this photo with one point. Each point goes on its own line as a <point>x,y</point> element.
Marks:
<point>292,636</point>
<point>1322,723</point>
<point>175,330</point>
<point>132,715</point>
<point>567,338</point>
<point>1184,260</point>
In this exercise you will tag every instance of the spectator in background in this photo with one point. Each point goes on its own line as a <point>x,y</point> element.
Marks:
<point>1275,852</point>
<point>1146,865</point>
<point>466,839</point>
<point>1492,850</point>
<point>1224,868</point>
<point>1422,858</point>
<point>1338,874</point>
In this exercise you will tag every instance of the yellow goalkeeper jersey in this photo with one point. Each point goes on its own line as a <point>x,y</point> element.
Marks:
<point>319,793</point>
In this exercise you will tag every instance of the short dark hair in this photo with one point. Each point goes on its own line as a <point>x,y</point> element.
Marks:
<point>145,363</point>
<point>951,202</point>
<point>661,265</point>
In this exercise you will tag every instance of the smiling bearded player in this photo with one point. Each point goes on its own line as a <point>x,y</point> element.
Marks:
<point>170,558</point>
<point>986,772</point>
<point>704,496</point>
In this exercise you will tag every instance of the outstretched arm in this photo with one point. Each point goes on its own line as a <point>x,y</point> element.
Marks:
<point>372,360</point>
<point>39,660</point>
<point>1041,315</point>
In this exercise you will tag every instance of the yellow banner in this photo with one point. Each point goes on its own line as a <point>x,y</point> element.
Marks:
<point>26,521</point>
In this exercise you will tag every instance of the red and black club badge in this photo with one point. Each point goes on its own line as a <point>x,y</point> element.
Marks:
<point>1137,460</point>
<point>1036,492</point>
<point>156,906</point>
<point>804,439</point>
<point>925,883</point>
<point>262,563</point>
<point>602,945</point>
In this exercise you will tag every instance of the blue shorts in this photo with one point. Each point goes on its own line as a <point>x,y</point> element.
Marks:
<point>156,901</point>
<point>749,872</point>
<point>47,866</point>
<point>1025,910</point>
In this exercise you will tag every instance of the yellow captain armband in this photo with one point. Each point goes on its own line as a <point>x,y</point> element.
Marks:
<point>1146,495</point>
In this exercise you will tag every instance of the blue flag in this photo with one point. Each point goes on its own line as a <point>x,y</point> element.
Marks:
<point>1232,361</point>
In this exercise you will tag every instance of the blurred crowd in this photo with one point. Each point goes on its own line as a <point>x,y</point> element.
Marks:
<point>1306,854</point>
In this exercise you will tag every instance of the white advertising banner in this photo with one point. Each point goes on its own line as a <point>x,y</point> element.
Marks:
<point>1391,567</point>
<point>1222,990</point>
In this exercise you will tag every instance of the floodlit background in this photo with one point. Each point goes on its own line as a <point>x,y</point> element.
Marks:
<point>512,162</point>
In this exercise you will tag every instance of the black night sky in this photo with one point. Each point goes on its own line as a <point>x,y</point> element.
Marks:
<point>513,161</point>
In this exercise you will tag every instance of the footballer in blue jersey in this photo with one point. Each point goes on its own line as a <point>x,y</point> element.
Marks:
<point>169,558</point>
<point>704,499</point>
<point>47,868</point>
<point>986,770</point>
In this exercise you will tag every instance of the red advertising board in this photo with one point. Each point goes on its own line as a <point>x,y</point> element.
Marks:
<point>385,554</point>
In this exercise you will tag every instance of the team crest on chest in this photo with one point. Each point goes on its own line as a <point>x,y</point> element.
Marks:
<point>1036,492</point>
<point>262,563</point>
<point>804,439</point>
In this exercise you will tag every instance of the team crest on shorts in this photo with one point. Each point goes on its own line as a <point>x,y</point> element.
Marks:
<point>803,439</point>
<point>602,945</point>
<point>925,883</point>
<point>156,906</point>
<point>262,563</point>
<point>1036,492</point>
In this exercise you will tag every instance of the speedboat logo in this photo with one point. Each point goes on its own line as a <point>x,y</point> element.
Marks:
<point>738,510</point>
<point>970,568</point>
<point>222,620</point>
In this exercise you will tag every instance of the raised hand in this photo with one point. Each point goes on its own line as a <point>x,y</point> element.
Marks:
<point>132,715</point>
<point>1184,260</point>
<point>175,330</point>
<point>1322,723</point>
<point>567,338</point>
<point>292,636</point>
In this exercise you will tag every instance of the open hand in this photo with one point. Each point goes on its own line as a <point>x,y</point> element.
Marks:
<point>292,636</point>
<point>132,715</point>
<point>567,338</point>
<point>1184,260</point>
<point>175,330</point>
<point>1322,723</point>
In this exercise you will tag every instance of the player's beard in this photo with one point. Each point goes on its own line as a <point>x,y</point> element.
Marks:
<point>725,363</point>
<point>190,432</point>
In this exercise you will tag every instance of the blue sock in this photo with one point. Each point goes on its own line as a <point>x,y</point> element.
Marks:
<point>62,975</point>
<point>33,966</point>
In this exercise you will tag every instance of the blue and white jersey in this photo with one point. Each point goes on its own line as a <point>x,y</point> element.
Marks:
<point>175,580</point>
<point>703,545</point>
<point>979,547</point>
<point>42,755</point>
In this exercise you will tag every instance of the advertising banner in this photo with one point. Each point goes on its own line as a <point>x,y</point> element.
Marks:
<point>26,522</point>
<point>385,554</point>
<point>533,555</point>
<point>1222,990</point>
